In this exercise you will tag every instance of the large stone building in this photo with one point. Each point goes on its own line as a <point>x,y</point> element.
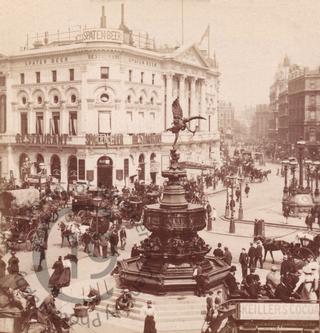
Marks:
<point>95,106</point>
<point>260,123</point>
<point>303,106</point>
<point>278,86</point>
<point>226,122</point>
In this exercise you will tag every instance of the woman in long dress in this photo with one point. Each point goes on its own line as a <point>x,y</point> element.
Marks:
<point>55,277</point>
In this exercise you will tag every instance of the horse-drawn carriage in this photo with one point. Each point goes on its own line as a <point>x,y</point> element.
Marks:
<point>305,246</point>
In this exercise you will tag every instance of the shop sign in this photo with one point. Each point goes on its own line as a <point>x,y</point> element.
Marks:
<point>46,139</point>
<point>145,139</point>
<point>90,175</point>
<point>119,174</point>
<point>102,35</point>
<point>104,139</point>
<point>279,311</point>
<point>154,166</point>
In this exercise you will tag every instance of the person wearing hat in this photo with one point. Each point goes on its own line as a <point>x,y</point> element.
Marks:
<point>252,284</point>
<point>284,290</point>
<point>232,284</point>
<point>149,322</point>
<point>124,301</point>
<point>243,261</point>
<point>309,285</point>
<point>3,266</point>
<point>252,255</point>
<point>13,264</point>
<point>288,265</point>
<point>200,281</point>
<point>258,254</point>
<point>218,251</point>
<point>273,279</point>
<point>123,237</point>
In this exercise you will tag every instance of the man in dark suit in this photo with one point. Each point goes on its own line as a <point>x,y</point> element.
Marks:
<point>218,251</point>
<point>243,260</point>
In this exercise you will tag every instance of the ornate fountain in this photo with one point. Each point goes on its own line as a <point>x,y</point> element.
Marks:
<point>168,256</point>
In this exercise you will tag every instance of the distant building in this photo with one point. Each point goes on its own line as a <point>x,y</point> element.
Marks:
<point>278,86</point>
<point>225,117</point>
<point>260,122</point>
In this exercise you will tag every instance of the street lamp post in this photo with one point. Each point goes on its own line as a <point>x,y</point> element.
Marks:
<point>240,213</point>
<point>317,165</point>
<point>285,164</point>
<point>232,226</point>
<point>301,144</point>
<point>308,163</point>
<point>293,166</point>
<point>227,209</point>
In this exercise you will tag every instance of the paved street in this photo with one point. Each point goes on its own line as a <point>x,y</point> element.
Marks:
<point>264,202</point>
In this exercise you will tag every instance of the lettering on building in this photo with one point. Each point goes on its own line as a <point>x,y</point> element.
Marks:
<point>104,139</point>
<point>46,139</point>
<point>105,35</point>
<point>44,61</point>
<point>146,139</point>
<point>144,62</point>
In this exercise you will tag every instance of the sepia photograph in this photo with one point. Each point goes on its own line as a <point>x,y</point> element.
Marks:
<point>159,166</point>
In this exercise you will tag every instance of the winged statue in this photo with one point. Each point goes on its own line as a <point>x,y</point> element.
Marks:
<point>179,122</point>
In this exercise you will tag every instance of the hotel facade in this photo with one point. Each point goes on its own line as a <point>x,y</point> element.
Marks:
<point>94,106</point>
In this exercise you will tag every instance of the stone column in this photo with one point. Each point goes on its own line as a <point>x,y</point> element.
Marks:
<point>31,120</point>
<point>64,128</point>
<point>168,116</point>
<point>82,128</point>
<point>203,107</point>
<point>193,105</point>
<point>47,115</point>
<point>182,96</point>
<point>12,123</point>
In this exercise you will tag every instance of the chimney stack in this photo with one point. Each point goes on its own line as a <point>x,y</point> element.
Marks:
<point>103,19</point>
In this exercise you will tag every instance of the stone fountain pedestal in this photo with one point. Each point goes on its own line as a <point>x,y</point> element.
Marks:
<point>168,256</point>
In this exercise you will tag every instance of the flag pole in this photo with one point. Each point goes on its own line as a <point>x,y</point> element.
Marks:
<point>209,40</point>
<point>182,24</point>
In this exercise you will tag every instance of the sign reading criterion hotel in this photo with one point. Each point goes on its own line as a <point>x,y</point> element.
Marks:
<point>102,35</point>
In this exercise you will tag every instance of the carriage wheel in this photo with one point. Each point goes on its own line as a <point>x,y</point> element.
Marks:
<point>30,234</point>
<point>303,253</point>
<point>81,213</point>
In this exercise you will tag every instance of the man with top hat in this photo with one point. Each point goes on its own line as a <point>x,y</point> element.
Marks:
<point>232,284</point>
<point>243,261</point>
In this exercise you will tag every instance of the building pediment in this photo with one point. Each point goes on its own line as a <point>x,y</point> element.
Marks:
<point>190,56</point>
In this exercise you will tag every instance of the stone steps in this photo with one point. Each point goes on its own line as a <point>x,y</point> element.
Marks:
<point>172,313</point>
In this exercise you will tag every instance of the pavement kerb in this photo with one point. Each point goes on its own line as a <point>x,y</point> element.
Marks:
<point>272,224</point>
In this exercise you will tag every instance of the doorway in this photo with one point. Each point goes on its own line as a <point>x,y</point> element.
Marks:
<point>104,172</point>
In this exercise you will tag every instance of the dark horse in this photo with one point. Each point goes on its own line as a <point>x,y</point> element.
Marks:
<point>272,245</point>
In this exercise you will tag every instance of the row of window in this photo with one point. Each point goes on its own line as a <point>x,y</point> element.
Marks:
<point>53,74</point>
<point>54,123</point>
<point>104,74</point>
<point>104,122</point>
<point>54,100</point>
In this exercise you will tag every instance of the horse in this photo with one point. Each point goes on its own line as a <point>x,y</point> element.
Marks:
<point>272,245</point>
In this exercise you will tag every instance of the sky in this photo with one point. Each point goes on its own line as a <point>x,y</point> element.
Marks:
<point>249,37</point>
